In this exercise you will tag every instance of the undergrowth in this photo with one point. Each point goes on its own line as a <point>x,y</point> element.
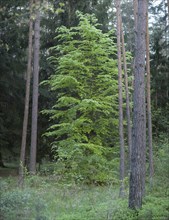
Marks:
<point>47,198</point>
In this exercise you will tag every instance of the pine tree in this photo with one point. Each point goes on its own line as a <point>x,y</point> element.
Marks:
<point>26,111</point>
<point>129,132</point>
<point>149,105</point>
<point>35,90</point>
<point>137,175</point>
<point>121,135</point>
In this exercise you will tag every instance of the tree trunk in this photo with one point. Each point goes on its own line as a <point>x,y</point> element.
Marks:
<point>1,161</point>
<point>135,6</point>
<point>27,97</point>
<point>35,90</point>
<point>168,10</point>
<point>150,144</point>
<point>137,175</point>
<point>127,95</point>
<point>121,194</point>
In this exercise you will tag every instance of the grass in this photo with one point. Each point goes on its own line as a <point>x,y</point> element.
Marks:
<point>50,198</point>
<point>57,201</point>
<point>44,198</point>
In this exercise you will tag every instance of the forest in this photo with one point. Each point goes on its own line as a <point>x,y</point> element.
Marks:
<point>84,110</point>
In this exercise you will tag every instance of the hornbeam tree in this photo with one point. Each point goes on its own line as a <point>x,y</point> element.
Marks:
<point>137,174</point>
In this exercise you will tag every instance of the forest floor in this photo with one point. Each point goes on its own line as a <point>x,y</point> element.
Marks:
<point>8,171</point>
<point>44,198</point>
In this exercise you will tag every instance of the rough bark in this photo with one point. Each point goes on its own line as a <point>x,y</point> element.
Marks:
<point>27,97</point>
<point>127,95</point>
<point>137,174</point>
<point>135,6</point>
<point>150,144</point>
<point>121,194</point>
<point>35,90</point>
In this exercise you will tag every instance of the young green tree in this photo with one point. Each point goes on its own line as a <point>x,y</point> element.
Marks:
<point>84,116</point>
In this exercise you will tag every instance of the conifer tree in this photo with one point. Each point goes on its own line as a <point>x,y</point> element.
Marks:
<point>137,174</point>
<point>35,89</point>
<point>129,132</point>
<point>121,135</point>
<point>26,111</point>
<point>150,144</point>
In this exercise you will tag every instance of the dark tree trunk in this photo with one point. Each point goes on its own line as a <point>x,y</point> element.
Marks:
<point>150,144</point>
<point>137,175</point>
<point>27,97</point>
<point>1,161</point>
<point>121,194</point>
<point>127,95</point>
<point>35,90</point>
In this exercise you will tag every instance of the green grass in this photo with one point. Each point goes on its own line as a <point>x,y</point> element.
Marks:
<point>44,198</point>
<point>58,201</point>
<point>51,198</point>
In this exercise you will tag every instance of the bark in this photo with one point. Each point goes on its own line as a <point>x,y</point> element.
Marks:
<point>121,194</point>
<point>135,4</point>
<point>27,97</point>
<point>168,10</point>
<point>1,161</point>
<point>35,90</point>
<point>127,95</point>
<point>150,144</point>
<point>137,174</point>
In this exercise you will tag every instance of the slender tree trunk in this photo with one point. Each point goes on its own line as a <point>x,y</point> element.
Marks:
<point>150,144</point>
<point>121,194</point>
<point>127,95</point>
<point>168,10</point>
<point>35,90</point>
<point>137,175</point>
<point>135,6</point>
<point>1,161</point>
<point>27,97</point>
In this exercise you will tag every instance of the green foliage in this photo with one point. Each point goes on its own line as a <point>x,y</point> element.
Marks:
<point>161,167</point>
<point>85,113</point>
<point>18,204</point>
<point>160,118</point>
<point>13,44</point>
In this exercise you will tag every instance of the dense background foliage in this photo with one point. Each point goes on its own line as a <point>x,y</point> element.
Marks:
<point>13,59</point>
<point>78,64</point>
